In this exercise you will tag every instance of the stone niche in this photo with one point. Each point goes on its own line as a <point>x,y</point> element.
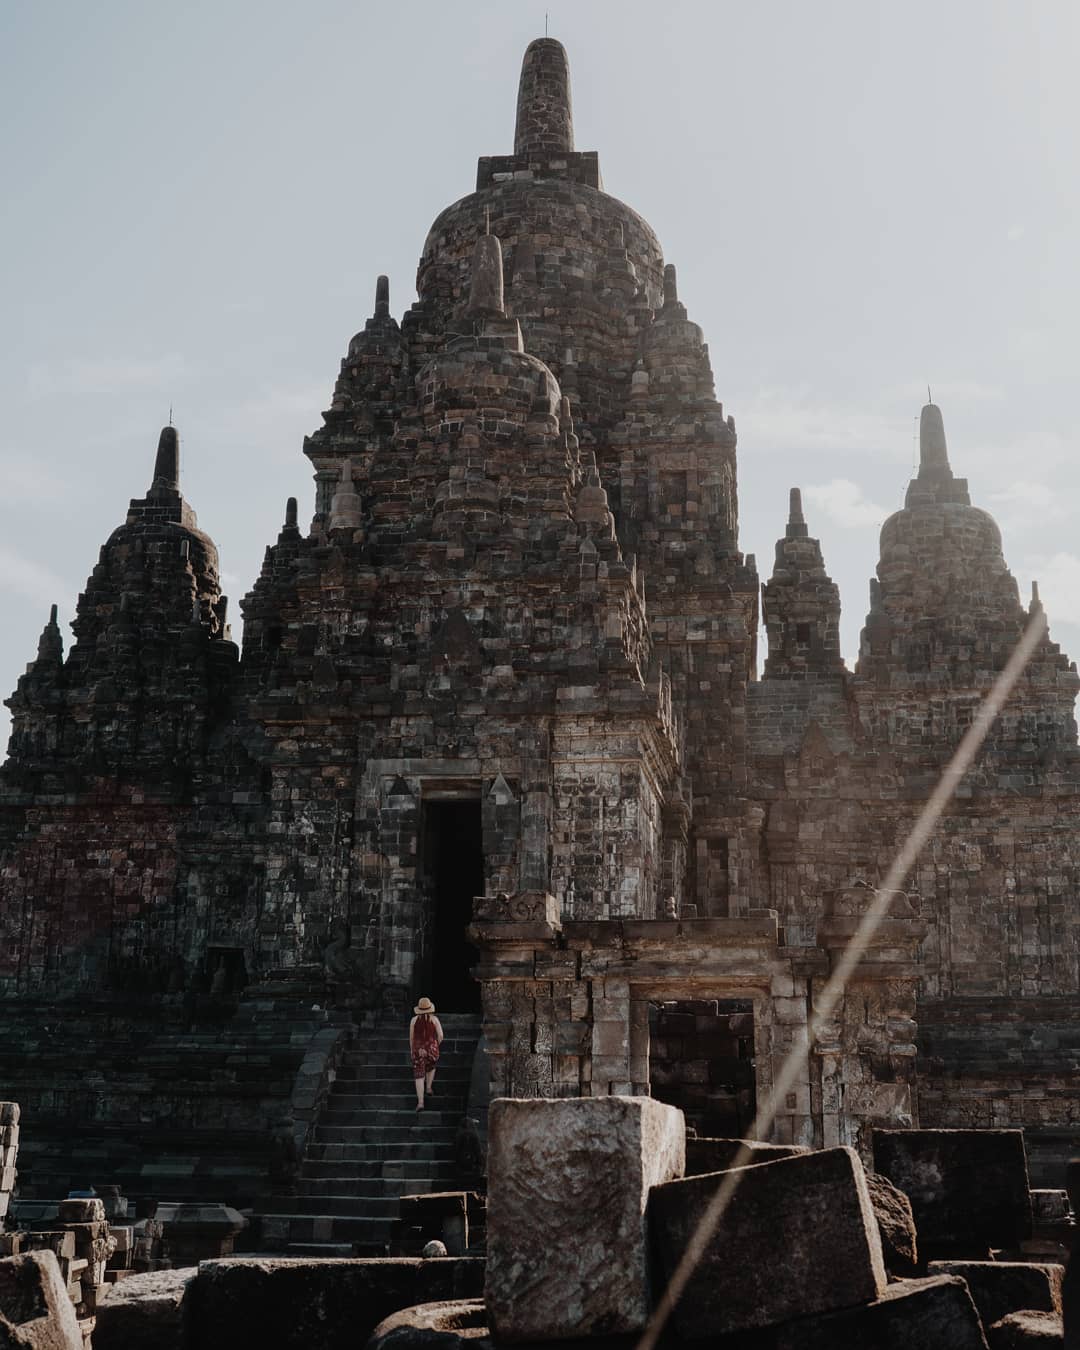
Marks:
<point>567,1008</point>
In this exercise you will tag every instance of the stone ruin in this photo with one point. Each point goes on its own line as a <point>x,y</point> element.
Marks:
<point>498,735</point>
<point>592,1204</point>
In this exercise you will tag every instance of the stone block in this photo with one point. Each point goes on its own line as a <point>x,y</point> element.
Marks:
<point>568,1184</point>
<point>1027,1330</point>
<point>896,1225</point>
<point>295,1304</point>
<point>798,1238</point>
<point>1002,1287</point>
<point>35,1311</point>
<point>717,1155</point>
<point>143,1312</point>
<point>968,1188</point>
<point>460,1325</point>
<point>81,1211</point>
<point>935,1314</point>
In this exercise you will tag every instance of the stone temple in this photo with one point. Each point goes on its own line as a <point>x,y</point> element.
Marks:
<point>500,734</point>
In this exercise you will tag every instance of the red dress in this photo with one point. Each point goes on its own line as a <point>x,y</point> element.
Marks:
<point>425,1046</point>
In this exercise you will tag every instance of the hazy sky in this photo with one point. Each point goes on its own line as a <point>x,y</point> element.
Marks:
<point>861,197</point>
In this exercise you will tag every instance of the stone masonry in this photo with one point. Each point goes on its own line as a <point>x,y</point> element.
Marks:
<point>499,703</point>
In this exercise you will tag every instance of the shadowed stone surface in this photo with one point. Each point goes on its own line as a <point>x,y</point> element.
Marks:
<point>717,1155</point>
<point>568,1184</point>
<point>798,1238</point>
<point>434,1326</point>
<point>144,1312</point>
<point>331,1304</point>
<point>899,1240</point>
<point>935,1314</point>
<point>1002,1287</point>
<point>35,1310</point>
<point>968,1188</point>
<point>1026,1330</point>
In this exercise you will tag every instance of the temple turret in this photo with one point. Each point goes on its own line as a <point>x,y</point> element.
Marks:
<point>139,680</point>
<point>801,605</point>
<point>935,480</point>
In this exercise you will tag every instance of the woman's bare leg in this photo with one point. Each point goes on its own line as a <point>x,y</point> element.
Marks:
<point>429,1081</point>
<point>419,1092</point>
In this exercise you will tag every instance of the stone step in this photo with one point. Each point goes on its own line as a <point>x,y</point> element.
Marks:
<point>283,1229</point>
<point>379,1149</point>
<point>376,1134</point>
<point>349,1206</point>
<point>341,1182</point>
<point>390,1119</point>
<point>398,1072</point>
<point>392,1161</point>
<point>329,1251</point>
<point>404,1100</point>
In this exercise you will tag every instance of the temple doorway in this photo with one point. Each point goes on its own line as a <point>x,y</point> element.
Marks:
<point>452,855</point>
<point>701,1059</point>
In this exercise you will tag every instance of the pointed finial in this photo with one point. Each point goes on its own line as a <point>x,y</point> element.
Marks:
<point>671,285</point>
<point>933,453</point>
<point>796,526</point>
<point>170,414</point>
<point>929,395</point>
<point>290,513</point>
<point>167,463</point>
<point>50,643</point>
<point>486,287</point>
<point>1036,603</point>
<point>545,119</point>
<point>382,296</point>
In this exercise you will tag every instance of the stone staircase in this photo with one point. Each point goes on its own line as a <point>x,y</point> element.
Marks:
<point>371,1146</point>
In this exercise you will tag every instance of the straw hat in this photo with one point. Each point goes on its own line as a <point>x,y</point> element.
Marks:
<point>424,1006</point>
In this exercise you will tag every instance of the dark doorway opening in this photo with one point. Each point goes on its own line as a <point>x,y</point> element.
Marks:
<point>701,1059</point>
<point>453,863</point>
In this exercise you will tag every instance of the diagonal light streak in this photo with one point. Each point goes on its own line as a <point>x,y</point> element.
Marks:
<point>921,831</point>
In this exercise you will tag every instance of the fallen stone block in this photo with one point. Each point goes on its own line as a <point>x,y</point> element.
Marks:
<point>968,1188</point>
<point>1002,1287</point>
<point>717,1155</point>
<point>35,1311</point>
<point>295,1304</point>
<point>568,1184</point>
<point>896,1225</point>
<point>143,1312</point>
<point>798,1238</point>
<point>933,1314</point>
<point>81,1211</point>
<point>1027,1330</point>
<point>460,1325</point>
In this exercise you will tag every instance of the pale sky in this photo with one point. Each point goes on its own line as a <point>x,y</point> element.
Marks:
<point>861,198</point>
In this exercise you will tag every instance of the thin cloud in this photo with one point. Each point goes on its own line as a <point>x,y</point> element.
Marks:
<point>31,581</point>
<point>107,375</point>
<point>28,480</point>
<point>844,504</point>
<point>791,419</point>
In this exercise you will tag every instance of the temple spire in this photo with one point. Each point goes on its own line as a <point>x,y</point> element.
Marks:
<point>51,644</point>
<point>796,526</point>
<point>545,119</point>
<point>933,453</point>
<point>167,463</point>
<point>382,296</point>
<point>486,287</point>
